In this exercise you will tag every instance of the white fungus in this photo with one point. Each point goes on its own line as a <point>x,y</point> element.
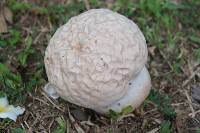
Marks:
<point>97,60</point>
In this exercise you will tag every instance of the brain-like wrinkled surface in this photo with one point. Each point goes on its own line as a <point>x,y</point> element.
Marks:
<point>92,58</point>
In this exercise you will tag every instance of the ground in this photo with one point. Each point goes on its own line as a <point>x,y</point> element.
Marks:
<point>171,28</point>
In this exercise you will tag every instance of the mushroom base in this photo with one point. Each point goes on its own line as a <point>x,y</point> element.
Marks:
<point>139,89</point>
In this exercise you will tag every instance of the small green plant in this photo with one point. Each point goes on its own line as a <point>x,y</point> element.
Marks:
<point>115,115</point>
<point>163,103</point>
<point>2,41</point>
<point>166,127</point>
<point>4,123</point>
<point>61,126</point>
<point>12,85</point>
<point>16,6</point>
<point>198,130</point>
<point>14,37</point>
<point>62,13</point>
<point>23,55</point>
<point>161,12</point>
<point>17,130</point>
<point>188,16</point>
<point>197,54</point>
<point>195,39</point>
<point>95,3</point>
<point>176,68</point>
<point>171,42</point>
<point>126,7</point>
<point>153,7</point>
<point>5,73</point>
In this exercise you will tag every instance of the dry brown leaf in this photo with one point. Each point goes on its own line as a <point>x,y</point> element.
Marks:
<point>8,15</point>
<point>87,4</point>
<point>152,50</point>
<point>3,25</point>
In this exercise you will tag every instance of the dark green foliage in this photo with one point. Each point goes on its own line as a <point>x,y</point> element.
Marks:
<point>63,13</point>
<point>16,6</point>
<point>195,39</point>
<point>163,103</point>
<point>62,126</point>
<point>190,17</point>
<point>12,85</point>
<point>17,130</point>
<point>198,130</point>
<point>197,54</point>
<point>166,127</point>
<point>126,7</point>
<point>14,37</point>
<point>23,55</point>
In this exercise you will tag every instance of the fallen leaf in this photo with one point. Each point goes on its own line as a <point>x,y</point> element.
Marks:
<point>8,15</point>
<point>3,25</point>
<point>152,50</point>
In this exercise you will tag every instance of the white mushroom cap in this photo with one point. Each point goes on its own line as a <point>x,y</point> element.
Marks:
<point>92,59</point>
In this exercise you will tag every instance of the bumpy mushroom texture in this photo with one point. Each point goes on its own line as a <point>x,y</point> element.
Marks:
<point>93,59</point>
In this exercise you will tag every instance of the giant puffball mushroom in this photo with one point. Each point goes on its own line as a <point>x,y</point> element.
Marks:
<point>97,60</point>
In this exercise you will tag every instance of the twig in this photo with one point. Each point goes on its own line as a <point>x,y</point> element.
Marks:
<point>37,38</point>
<point>178,124</point>
<point>190,78</point>
<point>174,93</point>
<point>27,125</point>
<point>49,127</point>
<point>155,130</point>
<point>194,113</point>
<point>52,102</point>
<point>177,104</point>
<point>190,104</point>
<point>23,126</point>
<point>155,109</point>
<point>125,116</point>
<point>75,124</point>
<point>157,120</point>
<point>40,100</point>
<point>35,121</point>
<point>150,102</point>
<point>164,56</point>
<point>50,24</point>
<point>87,122</point>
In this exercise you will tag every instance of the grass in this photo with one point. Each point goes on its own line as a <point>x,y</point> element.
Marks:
<point>163,104</point>
<point>12,84</point>
<point>170,28</point>
<point>166,127</point>
<point>17,130</point>
<point>27,51</point>
<point>61,126</point>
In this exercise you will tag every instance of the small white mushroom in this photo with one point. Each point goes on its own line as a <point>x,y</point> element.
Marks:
<point>97,60</point>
